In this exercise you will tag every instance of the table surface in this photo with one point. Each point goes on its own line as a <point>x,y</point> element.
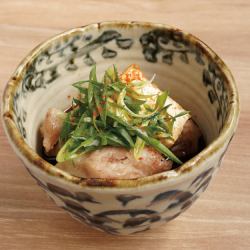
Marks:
<point>220,219</point>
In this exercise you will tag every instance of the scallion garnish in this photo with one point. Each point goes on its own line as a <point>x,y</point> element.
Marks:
<point>111,112</point>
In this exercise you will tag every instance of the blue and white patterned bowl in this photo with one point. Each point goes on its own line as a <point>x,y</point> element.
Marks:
<point>195,76</point>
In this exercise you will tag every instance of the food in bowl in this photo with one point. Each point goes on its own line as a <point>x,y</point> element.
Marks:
<point>195,77</point>
<point>124,122</point>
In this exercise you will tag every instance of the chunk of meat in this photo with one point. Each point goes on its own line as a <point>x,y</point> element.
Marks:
<point>116,163</point>
<point>187,144</point>
<point>51,128</point>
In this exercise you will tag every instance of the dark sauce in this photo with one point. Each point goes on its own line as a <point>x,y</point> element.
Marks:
<point>50,159</point>
<point>185,158</point>
<point>41,151</point>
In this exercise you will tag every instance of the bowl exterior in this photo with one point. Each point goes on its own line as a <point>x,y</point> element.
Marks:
<point>129,210</point>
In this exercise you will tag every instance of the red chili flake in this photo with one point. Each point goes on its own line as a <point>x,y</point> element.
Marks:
<point>133,72</point>
<point>140,158</point>
<point>99,109</point>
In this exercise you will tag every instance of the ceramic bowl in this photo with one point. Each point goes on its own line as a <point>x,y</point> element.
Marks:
<point>195,76</point>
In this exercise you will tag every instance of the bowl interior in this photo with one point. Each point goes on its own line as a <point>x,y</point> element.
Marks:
<point>180,63</point>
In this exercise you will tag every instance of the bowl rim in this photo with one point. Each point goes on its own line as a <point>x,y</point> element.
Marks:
<point>27,154</point>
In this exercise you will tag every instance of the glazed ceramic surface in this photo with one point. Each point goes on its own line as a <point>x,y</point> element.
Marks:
<point>195,77</point>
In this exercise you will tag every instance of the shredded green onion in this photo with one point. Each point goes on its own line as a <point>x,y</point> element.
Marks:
<point>110,112</point>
